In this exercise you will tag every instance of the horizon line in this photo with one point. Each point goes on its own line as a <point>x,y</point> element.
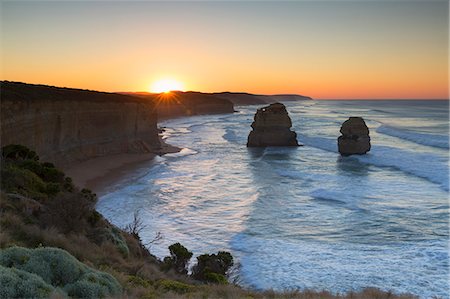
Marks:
<point>245,92</point>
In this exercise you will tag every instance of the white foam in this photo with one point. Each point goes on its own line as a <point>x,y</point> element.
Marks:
<point>440,141</point>
<point>431,167</point>
<point>337,267</point>
<point>184,152</point>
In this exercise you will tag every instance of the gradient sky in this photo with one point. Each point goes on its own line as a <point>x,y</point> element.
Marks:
<point>323,49</point>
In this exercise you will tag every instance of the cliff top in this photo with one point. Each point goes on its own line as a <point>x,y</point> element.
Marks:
<point>18,91</point>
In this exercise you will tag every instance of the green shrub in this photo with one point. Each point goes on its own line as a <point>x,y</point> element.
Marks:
<point>18,152</point>
<point>22,181</point>
<point>93,285</point>
<point>215,278</point>
<point>179,258</point>
<point>175,286</point>
<point>210,264</point>
<point>59,269</point>
<point>115,236</point>
<point>21,284</point>
<point>94,217</point>
<point>46,171</point>
<point>89,195</point>
<point>138,281</point>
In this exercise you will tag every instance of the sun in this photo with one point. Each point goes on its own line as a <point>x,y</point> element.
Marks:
<point>166,85</point>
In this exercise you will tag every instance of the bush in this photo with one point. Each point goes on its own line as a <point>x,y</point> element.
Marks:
<point>21,284</point>
<point>179,258</point>
<point>175,286</point>
<point>93,285</point>
<point>23,173</point>
<point>215,278</point>
<point>18,152</point>
<point>22,181</point>
<point>138,281</point>
<point>58,268</point>
<point>212,267</point>
<point>114,235</point>
<point>69,212</point>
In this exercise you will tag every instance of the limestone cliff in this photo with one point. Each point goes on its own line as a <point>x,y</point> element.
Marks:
<point>179,103</point>
<point>66,125</point>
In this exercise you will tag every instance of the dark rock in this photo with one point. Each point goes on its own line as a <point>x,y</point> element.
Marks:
<point>355,138</point>
<point>271,127</point>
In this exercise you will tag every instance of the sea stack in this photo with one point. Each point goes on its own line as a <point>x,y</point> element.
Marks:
<point>355,138</point>
<point>271,127</point>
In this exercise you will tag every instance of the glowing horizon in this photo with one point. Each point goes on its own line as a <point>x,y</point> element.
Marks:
<point>325,50</point>
<point>166,85</point>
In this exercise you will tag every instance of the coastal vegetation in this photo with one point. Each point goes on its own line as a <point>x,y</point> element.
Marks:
<point>55,244</point>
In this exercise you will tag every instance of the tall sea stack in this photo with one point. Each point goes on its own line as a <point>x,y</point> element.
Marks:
<point>271,127</point>
<point>355,138</point>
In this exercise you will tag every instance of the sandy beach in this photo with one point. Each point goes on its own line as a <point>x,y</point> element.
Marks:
<point>99,173</point>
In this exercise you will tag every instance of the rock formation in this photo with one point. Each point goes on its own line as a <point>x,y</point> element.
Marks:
<point>65,125</point>
<point>271,127</point>
<point>355,138</point>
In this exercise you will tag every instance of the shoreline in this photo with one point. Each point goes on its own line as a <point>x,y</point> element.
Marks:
<point>101,173</point>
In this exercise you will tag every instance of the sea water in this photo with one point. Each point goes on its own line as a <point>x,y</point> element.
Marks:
<point>305,217</point>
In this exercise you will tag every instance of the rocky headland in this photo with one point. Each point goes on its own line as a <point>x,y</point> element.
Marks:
<point>66,125</point>
<point>355,138</point>
<point>179,103</point>
<point>243,98</point>
<point>272,127</point>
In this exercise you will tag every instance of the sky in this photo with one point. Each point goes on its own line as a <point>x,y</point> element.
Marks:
<point>324,49</point>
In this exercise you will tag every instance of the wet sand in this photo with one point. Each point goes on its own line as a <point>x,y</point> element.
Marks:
<point>98,174</point>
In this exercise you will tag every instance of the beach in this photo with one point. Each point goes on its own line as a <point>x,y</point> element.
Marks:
<point>99,174</point>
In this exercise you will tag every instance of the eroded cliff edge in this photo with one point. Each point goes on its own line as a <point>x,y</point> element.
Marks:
<point>65,125</point>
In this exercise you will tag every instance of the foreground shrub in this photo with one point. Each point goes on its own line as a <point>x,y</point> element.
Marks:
<point>113,234</point>
<point>178,259</point>
<point>21,284</point>
<point>18,152</point>
<point>175,286</point>
<point>69,212</point>
<point>23,181</point>
<point>59,269</point>
<point>213,267</point>
<point>22,173</point>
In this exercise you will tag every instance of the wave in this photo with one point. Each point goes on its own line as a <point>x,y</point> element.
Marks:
<point>268,263</point>
<point>431,167</point>
<point>184,152</point>
<point>441,141</point>
<point>303,175</point>
<point>230,135</point>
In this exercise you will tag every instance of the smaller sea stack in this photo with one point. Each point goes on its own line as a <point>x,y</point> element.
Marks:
<point>271,127</point>
<point>355,138</point>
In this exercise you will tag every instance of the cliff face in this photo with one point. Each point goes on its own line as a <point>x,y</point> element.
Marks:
<point>67,125</point>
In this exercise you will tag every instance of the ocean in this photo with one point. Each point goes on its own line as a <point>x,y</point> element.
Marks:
<point>305,217</point>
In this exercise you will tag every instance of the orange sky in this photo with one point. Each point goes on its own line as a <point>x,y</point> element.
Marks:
<point>335,49</point>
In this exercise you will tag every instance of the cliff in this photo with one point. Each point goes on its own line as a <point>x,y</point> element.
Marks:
<point>67,125</point>
<point>178,103</point>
